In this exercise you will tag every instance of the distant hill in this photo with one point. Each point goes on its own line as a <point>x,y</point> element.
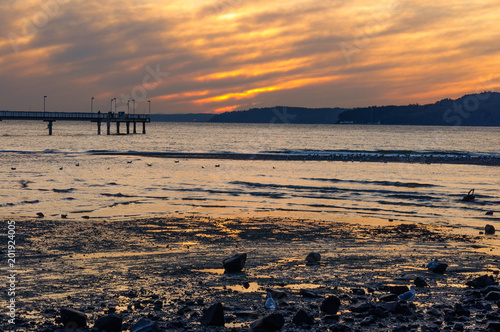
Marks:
<point>191,117</point>
<point>481,109</point>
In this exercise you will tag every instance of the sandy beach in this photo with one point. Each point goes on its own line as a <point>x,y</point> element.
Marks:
<point>169,271</point>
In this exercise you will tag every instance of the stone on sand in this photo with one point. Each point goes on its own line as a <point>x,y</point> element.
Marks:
<point>214,315</point>
<point>330,305</point>
<point>112,322</point>
<point>489,230</point>
<point>303,318</point>
<point>145,325</point>
<point>72,318</point>
<point>271,322</point>
<point>313,258</point>
<point>481,282</point>
<point>235,264</point>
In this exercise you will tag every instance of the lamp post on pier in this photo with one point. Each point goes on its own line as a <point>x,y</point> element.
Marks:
<point>44,97</point>
<point>133,100</point>
<point>91,105</point>
<point>128,108</point>
<point>149,103</point>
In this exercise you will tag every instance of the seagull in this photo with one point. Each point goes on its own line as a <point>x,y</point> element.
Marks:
<point>408,296</point>
<point>270,303</point>
<point>432,265</point>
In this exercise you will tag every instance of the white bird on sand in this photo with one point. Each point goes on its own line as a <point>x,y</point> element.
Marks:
<point>270,303</point>
<point>408,296</point>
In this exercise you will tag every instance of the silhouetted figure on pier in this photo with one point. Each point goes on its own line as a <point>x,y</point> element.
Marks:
<point>469,197</point>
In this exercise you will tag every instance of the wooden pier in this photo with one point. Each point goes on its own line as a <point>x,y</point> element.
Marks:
<point>99,118</point>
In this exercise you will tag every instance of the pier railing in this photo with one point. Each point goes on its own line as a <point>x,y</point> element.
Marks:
<point>99,118</point>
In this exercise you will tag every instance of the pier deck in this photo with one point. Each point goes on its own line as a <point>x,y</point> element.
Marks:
<point>99,118</point>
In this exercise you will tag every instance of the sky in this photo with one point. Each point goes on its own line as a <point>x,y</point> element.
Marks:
<point>212,56</point>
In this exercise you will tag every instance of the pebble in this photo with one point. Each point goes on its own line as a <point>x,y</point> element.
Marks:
<point>109,323</point>
<point>303,318</point>
<point>313,258</point>
<point>72,318</point>
<point>271,322</point>
<point>489,230</point>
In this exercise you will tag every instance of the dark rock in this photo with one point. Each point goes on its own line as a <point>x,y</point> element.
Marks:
<point>276,294</point>
<point>358,291</point>
<point>489,213</point>
<point>271,322</point>
<point>303,318</point>
<point>458,327</point>
<point>460,310</point>
<point>434,312</point>
<point>493,326</point>
<point>481,282</point>
<point>420,282</point>
<point>40,215</point>
<point>489,230</point>
<point>388,298</point>
<point>470,197</point>
<point>235,263</point>
<point>398,290</point>
<point>213,316</point>
<point>112,322</point>
<point>440,268</point>
<point>72,318</point>
<point>313,257</point>
<point>363,307</point>
<point>330,305</point>
<point>398,308</point>
<point>368,321</point>
<point>308,293</point>
<point>145,325</point>
<point>378,312</point>
<point>492,288</point>
<point>492,296</point>
<point>400,328</point>
<point>340,328</point>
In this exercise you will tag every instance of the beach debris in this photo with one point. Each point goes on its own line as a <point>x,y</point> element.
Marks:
<point>77,164</point>
<point>470,197</point>
<point>218,165</point>
<point>213,316</point>
<point>270,303</point>
<point>72,318</point>
<point>437,267</point>
<point>489,230</point>
<point>149,164</point>
<point>111,322</point>
<point>482,281</point>
<point>145,325</point>
<point>420,282</point>
<point>302,318</point>
<point>308,293</point>
<point>271,322</point>
<point>489,213</point>
<point>61,168</point>
<point>40,215</point>
<point>313,258</point>
<point>64,216</point>
<point>408,296</point>
<point>330,305</point>
<point>235,264</point>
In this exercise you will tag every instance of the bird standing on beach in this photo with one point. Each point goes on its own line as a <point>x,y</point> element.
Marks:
<point>270,303</point>
<point>432,265</point>
<point>408,296</point>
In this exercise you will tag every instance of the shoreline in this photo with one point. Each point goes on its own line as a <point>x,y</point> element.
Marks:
<point>170,270</point>
<point>345,157</point>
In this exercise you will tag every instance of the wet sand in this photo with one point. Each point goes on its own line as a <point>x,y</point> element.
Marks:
<point>169,270</point>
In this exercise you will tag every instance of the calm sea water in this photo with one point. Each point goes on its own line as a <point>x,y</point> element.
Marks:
<point>60,174</point>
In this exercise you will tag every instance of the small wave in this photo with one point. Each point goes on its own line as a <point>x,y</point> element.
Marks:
<point>382,183</point>
<point>63,191</point>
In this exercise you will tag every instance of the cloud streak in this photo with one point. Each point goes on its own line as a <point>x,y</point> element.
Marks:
<point>235,54</point>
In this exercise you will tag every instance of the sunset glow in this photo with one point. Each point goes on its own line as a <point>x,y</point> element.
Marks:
<point>207,56</point>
